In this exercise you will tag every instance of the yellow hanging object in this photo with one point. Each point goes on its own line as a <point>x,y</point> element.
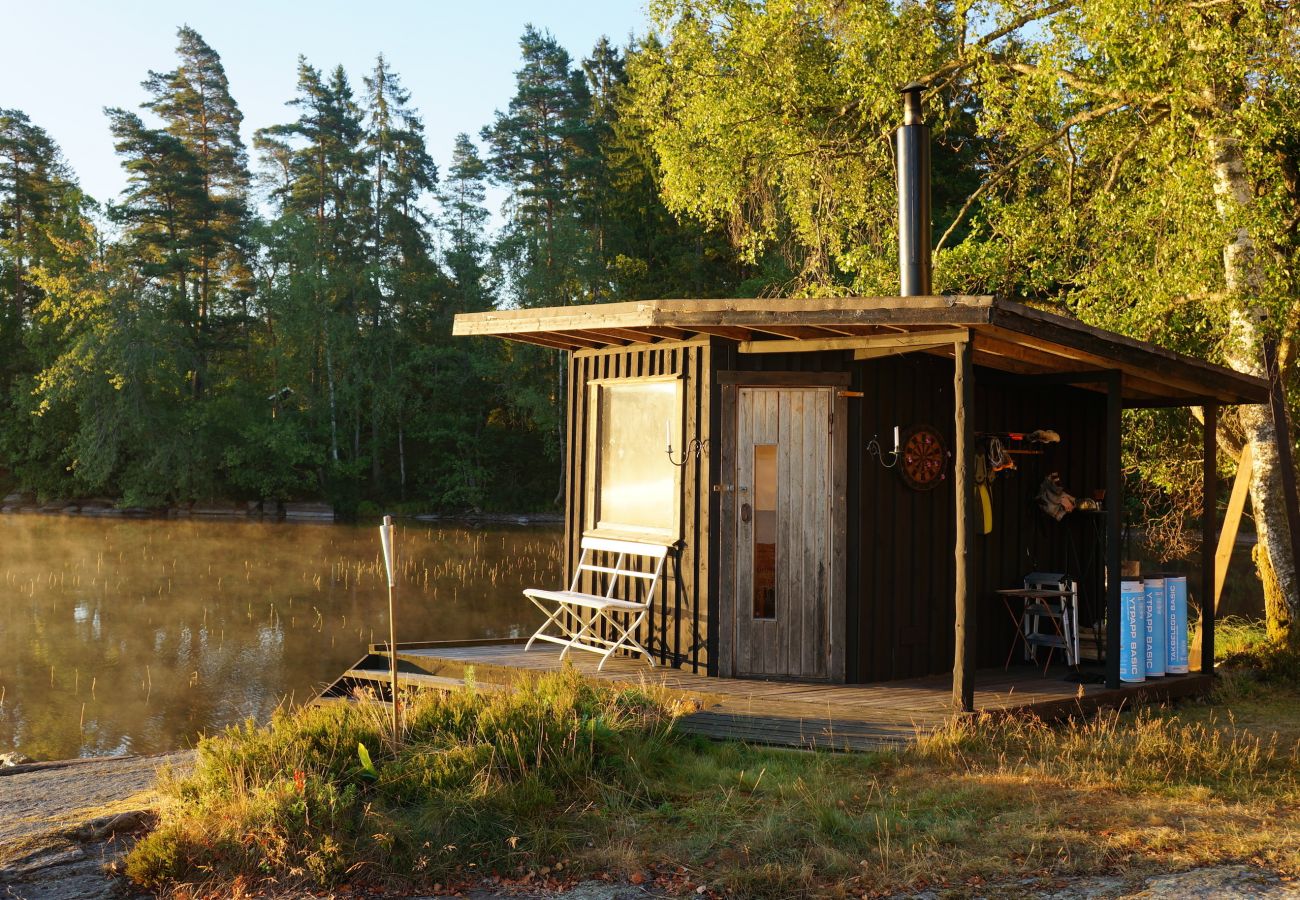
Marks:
<point>982,490</point>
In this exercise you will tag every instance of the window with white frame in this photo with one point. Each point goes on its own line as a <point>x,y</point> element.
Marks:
<point>633,488</point>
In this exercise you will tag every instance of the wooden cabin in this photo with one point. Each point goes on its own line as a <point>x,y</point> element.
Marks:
<point>821,467</point>
<point>803,547</point>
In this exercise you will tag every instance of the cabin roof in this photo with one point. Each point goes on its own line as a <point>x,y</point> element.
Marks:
<point>1008,336</point>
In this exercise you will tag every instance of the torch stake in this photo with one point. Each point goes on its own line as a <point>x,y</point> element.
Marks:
<point>386,539</point>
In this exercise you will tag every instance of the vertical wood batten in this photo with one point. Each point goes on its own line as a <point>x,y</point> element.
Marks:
<point>677,629</point>
<point>1113,504</point>
<point>963,667</point>
<point>1209,515</point>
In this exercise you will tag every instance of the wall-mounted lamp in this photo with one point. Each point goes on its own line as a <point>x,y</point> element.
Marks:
<point>874,448</point>
<point>693,447</point>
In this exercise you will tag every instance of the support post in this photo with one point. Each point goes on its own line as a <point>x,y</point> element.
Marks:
<point>963,662</point>
<point>1209,513</point>
<point>1282,428</point>
<point>1232,520</point>
<point>1114,508</point>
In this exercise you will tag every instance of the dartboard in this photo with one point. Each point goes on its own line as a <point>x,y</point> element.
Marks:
<point>924,460</point>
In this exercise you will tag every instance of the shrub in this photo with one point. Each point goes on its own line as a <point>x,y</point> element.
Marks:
<point>481,779</point>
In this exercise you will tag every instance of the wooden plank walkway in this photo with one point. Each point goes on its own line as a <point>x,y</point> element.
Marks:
<point>874,716</point>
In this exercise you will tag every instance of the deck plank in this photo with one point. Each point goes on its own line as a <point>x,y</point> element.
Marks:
<point>881,715</point>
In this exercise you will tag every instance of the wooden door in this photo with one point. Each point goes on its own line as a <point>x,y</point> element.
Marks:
<point>784,542</point>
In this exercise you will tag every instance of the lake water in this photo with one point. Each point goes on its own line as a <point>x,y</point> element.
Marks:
<point>135,636</point>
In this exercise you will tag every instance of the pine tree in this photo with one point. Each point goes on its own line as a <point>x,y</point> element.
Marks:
<point>161,206</point>
<point>402,272</point>
<point>537,148</point>
<point>193,102</point>
<point>464,222</point>
<point>36,192</point>
<point>323,224</point>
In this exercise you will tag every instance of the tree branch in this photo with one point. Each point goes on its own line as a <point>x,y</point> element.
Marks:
<point>1124,152</point>
<point>1007,168</point>
<point>997,34</point>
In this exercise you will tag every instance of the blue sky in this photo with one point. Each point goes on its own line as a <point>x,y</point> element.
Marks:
<point>64,62</point>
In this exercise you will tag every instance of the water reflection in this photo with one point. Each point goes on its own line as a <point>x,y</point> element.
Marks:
<point>135,636</point>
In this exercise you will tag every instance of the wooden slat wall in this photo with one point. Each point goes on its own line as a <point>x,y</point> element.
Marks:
<point>677,631</point>
<point>899,542</point>
<point>904,596</point>
<point>905,561</point>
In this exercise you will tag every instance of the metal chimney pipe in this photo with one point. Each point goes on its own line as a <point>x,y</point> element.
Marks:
<point>913,138</point>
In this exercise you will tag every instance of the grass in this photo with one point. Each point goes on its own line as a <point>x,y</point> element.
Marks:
<point>594,778</point>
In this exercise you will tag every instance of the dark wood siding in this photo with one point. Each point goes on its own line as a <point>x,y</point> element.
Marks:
<point>899,579</point>
<point>905,565</point>
<point>677,630</point>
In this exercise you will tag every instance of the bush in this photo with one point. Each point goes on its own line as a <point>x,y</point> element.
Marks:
<point>491,780</point>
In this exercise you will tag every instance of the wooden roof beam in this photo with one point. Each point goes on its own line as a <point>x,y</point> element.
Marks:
<point>578,339</point>
<point>1158,364</point>
<point>878,344</point>
<point>800,332</point>
<point>726,331</point>
<point>662,331</point>
<point>1142,378</point>
<point>542,340</point>
<point>616,336</point>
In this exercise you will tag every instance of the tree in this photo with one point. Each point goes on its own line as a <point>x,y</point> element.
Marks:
<point>41,208</point>
<point>403,274</point>
<point>536,150</point>
<point>1133,163</point>
<point>324,223</point>
<point>464,223</point>
<point>771,119</point>
<point>205,168</point>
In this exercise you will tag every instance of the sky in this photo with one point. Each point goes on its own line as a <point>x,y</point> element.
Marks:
<point>64,61</point>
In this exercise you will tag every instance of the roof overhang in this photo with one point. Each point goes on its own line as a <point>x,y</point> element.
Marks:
<point>1006,336</point>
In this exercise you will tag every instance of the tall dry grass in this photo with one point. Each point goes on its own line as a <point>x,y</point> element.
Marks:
<point>321,796</point>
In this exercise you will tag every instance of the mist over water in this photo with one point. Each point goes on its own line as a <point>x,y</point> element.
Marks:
<point>136,636</point>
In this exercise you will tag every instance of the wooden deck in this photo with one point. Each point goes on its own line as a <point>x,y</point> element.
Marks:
<point>874,716</point>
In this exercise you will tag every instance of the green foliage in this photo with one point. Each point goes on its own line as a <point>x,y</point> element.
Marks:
<point>198,350</point>
<point>272,460</point>
<point>493,779</point>
<point>367,767</point>
<point>562,770</point>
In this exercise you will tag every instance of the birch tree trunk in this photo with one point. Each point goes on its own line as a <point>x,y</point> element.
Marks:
<point>1244,352</point>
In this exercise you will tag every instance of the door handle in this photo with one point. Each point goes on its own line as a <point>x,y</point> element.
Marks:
<point>745,513</point>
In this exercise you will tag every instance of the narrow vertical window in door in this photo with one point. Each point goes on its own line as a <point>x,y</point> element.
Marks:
<point>765,469</point>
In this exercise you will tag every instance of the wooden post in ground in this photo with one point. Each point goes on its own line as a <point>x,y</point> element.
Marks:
<point>1114,508</point>
<point>1232,520</point>
<point>1227,541</point>
<point>963,662</point>
<point>1210,488</point>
